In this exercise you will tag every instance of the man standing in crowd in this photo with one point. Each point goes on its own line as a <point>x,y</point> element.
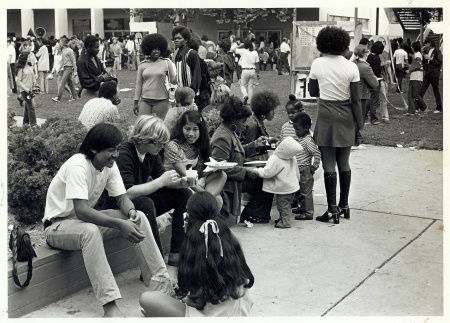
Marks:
<point>432,72</point>
<point>11,52</point>
<point>284,52</point>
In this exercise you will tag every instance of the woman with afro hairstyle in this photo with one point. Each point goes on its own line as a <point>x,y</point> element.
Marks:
<point>335,80</point>
<point>226,146</point>
<point>151,96</point>
<point>263,105</point>
<point>186,60</point>
<point>213,277</point>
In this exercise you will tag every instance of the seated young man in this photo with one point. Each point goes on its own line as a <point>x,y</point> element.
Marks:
<point>71,222</point>
<point>152,189</point>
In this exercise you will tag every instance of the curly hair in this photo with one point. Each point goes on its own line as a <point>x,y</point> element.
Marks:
<point>233,109</point>
<point>107,90</point>
<point>202,144</point>
<point>183,31</point>
<point>377,48</point>
<point>332,40</point>
<point>302,118</point>
<point>225,44</point>
<point>203,272</point>
<point>294,102</point>
<point>90,41</point>
<point>220,94</point>
<point>192,44</point>
<point>264,102</point>
<point>153,41</point>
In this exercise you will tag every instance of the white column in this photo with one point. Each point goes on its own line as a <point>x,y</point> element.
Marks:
<point>97,26</point>
<point>27,21</point>
<point>61,23</point>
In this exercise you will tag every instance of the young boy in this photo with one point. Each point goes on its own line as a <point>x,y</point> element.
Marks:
<point>278,174</point>
<point>72,223</point>
<point>308,161</point>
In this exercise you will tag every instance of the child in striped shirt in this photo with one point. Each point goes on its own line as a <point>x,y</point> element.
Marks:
<point>308,160</point>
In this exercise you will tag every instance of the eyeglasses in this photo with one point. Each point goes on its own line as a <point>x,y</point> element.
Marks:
<point>155,143</point>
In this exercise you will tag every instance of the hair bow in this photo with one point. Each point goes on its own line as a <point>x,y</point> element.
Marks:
<point>215,229</point>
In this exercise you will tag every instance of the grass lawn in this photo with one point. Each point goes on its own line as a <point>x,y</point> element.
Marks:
<point>421,132</point>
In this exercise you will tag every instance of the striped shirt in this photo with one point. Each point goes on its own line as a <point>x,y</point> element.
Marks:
<point>310,154</point>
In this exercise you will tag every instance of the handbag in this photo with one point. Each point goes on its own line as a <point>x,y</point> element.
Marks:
<point>22,250</point>
<point>171,88</point>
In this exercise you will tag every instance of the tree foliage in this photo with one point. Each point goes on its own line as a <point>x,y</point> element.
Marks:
<point>241,17</point>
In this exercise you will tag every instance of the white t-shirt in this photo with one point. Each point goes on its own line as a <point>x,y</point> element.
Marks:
<point>416,75</point>
<point>248,58</point>
<point>98,110</point>
<point>11,54</point>
<point>79,179</point>
<point>284,48</point>
<point>401,56</point>
<point>130,46</point>
<point>334,74</point>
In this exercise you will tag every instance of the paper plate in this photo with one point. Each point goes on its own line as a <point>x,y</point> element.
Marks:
<point>256,163</point>
<point>220,165</point>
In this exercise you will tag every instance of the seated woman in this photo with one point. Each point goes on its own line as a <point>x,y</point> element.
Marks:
<point>225,146</point>
<point>189,147</point>
<point>103,108</point>
<point>184,98</point>
<point>263,105</point>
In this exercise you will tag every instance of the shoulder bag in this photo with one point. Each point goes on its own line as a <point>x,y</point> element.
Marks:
<point>22,250</point>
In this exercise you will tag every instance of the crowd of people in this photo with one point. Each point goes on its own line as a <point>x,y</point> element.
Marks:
<point>117,185</point>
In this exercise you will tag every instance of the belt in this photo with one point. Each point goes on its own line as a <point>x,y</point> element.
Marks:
<point>248,68</point>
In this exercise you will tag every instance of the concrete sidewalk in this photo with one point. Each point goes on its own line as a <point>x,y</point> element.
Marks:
<point>387,260</point>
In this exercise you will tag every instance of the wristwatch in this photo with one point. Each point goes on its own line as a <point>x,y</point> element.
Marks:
<point>132,213</point>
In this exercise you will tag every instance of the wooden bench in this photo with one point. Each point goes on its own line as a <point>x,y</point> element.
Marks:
<point>59,273</point>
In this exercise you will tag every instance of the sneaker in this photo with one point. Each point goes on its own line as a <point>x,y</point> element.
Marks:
<point>303,216</point>
<point>437,111</point>
<point>56,99</point>
<point>297,210</point>
<point>282,225</point>
<point>375,122</point>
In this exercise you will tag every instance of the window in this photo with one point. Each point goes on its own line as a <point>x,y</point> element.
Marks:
<point>363,21</point>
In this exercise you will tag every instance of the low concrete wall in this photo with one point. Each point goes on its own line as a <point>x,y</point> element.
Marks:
<point>59,273</point>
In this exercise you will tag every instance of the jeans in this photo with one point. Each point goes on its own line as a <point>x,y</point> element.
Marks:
<point>374,103</point>
<point>73,234</point>
<point>67,78</point>
<point>383,100</point>
<point>284,208</point>
<point>283,61</point>
<point>29,114</point>
<point>432,79</point>
<point>415,101</point>
<point>86,95</point>
<point>400,73</point>
<point>43,82</point>
<point>248,77</point>
<point>166,199</point>
<point>306,190</point>
<point>13,72</point>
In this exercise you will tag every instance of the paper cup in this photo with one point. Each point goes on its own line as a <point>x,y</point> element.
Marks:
<point>191,176</point>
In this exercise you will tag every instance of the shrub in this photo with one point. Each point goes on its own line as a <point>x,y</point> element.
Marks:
<point>35,155</point>
<point>212,119</point>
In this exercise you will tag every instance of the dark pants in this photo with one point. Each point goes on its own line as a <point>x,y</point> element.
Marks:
<point>432,79</point>
<point>283,62</point>
<point>29,114</point>
<point>400,73</point>
<point>13,72</point>
<point>166,199</point>
<point>415,101</point>
<point>238,71</point>
<point>374,103</point>
<point>261,202</point>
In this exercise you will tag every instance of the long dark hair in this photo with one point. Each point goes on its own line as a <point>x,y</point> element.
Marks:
<point>22,61</point>
<point>202,144</point>
<point>203,273</point>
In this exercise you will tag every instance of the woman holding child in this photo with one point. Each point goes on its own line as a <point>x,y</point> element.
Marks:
<point>225,146</point>
<point>335,80</point>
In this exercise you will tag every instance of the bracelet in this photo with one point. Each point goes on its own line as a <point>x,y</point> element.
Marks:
<point>129,216</point>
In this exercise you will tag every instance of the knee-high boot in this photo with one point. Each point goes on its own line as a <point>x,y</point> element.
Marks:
<point>345,178</point>
<point>330,189</point>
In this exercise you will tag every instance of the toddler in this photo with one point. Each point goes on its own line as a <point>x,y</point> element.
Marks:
<point>308,162</point>
<point>278,174</point>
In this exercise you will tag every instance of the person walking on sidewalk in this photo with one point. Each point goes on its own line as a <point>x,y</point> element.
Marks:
<point>432,72</point>
<point>43,64</point>
<point>374,61</point>
<point>69,67</point>
<point>117,52</point>
<point>72,223</point>
<point>335,80</point>
<point>285,49</point>
<point>415,101</point>
<point>249,62</point>
<point>26,79</point>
